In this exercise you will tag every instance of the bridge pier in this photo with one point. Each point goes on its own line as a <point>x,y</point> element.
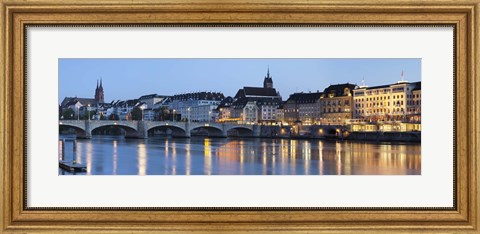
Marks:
<point>187,129</point>
<point>224,130</point>
<point>256,130</point>
<point>142,130</point>
<point>88,131</point>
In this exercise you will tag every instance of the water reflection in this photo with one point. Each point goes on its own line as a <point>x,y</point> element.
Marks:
<point>115,157</point>
<point>108,155</point>
<point>207,162</point>
<point>88,156</point>
<point>142,159</point>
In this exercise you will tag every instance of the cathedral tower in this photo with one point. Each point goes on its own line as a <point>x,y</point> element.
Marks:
<point>99,96</point>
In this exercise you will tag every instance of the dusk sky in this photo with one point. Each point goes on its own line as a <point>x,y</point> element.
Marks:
<point>131,78</point>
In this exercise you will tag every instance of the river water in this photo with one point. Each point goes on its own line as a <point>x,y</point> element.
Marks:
<point>115,155</point>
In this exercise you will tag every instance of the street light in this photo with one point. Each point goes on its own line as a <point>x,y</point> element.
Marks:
<point>142,107</point>
<point>78,113</point>
<point>88,107</point>
<point>173,116</point>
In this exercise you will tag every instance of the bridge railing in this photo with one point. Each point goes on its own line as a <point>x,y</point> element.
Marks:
<point>169,121</point>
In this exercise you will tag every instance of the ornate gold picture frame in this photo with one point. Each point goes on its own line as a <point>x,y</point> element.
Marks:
<point>16,15</point>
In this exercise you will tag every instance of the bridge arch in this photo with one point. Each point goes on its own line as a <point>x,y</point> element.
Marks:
<point>129,130</point>
<point>79,131</point>
<point>168,129</point>
<point>207,130</point>
<point>239,131</point>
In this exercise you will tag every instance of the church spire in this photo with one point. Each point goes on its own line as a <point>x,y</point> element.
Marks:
<point>99,95</point>
<point>268,81</point>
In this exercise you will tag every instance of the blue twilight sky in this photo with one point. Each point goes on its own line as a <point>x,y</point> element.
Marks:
<point>132,78</point>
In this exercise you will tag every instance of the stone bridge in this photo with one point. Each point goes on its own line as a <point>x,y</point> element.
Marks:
<point>140,129</point>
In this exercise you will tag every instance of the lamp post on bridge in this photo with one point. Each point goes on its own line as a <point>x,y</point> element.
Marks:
<point>88,107</point>
<point>142,107</point>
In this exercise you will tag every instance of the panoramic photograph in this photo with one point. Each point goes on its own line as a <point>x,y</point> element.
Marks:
<point>231,116</point>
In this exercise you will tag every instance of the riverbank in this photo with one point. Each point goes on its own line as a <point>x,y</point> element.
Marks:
<point>386,136</point>
<point>333,132</point>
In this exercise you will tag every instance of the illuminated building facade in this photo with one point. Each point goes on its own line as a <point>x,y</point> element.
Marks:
<point>224,110</point>
<point>333,106</point>
<point>415,104</point>
<point>337,104</point>
<point>303,108</point>
<point>197,106</point>
<point>253,105</point>
<point>385,103</point>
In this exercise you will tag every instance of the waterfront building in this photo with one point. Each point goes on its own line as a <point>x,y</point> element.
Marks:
<point>414,109</point>
<point>80,105</point>
<point>102,109</point>
<point>148,114</point>
<point>161,110</point>
<point>224,110</point>
<point>246,111</point>
<point>151,99</point>
<point>337,104</point>
<point>196,106</point>
<point>122,109</point>
<point>201,113</point>
<point>74,105</point>
<point>392,107</point>
<point>333,106</point>
<point>153,105</point>
<point>302,108</point>
<point>280,116</point>
<point>254,105</point>
<point>389,102</point>
<point>163,103</point>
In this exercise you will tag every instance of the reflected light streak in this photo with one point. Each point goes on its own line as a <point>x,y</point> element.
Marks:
<point>264,158</point>
<point>89,158</point>
<point>166,148</point>
<point>293,156</point>
<point>208,157</point>
<point>80,151</point>
<point>142,159</point>
<point>174,158</point>
<point>114,157</point>
<point>320,157</point>
<point>283,154</point>
<point>306,153</point>
<point>60,149</point>
<point>187,159</point>
<point>338,148</point>
<point>242,155</point>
